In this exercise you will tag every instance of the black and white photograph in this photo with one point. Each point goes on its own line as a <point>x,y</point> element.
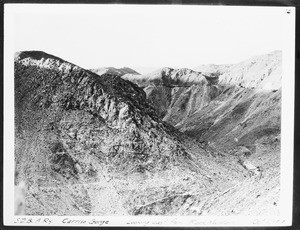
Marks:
<point>148,115</point>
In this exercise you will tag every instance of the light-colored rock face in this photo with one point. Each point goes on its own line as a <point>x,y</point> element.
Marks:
<point>167,77</point>
<point>212,68</point>
<point>262,72</point>
<point>89,144</point>
<point>114,71</point>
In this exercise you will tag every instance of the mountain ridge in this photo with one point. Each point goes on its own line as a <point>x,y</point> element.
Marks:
<point>114,71</point>
<point>261,72</point>
<point>200,107</point>
<point>89,144</point>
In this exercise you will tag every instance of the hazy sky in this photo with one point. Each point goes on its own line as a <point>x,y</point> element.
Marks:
<point>148,36</point>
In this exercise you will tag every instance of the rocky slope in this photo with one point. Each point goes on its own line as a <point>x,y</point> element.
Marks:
<point>162,85</point>
<point>227,109</point>
<point>221,103</point>
<point>92,145</point>
<point>247,108</point>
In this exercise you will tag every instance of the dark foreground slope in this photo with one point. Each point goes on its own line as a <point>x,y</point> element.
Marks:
<point>92,145</point>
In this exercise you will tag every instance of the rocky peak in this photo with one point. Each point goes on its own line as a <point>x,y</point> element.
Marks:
<point>88,113</point>
<point>35,55</point>
<point>107,95</point>
<point>43,60</point>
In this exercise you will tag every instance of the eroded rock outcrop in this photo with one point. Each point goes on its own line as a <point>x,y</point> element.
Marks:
<point>169,88</point>
<point>75,123</point>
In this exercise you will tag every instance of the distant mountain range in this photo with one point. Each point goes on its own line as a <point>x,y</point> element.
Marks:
<point>260,72</point>
<point>114,71</point>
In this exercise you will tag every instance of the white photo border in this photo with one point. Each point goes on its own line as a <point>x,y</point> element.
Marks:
<point>287,136</point>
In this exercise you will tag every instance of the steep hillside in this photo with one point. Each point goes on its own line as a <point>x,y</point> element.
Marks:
<point>248,107</point>
<point>92,145</point>
<point>160,86</point>
<point>220,104</point>
<point>233,110</point>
